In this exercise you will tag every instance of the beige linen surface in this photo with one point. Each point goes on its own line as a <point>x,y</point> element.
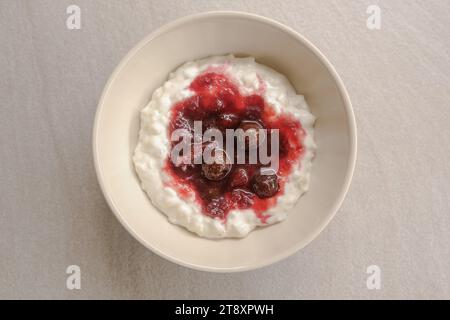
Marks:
<point>396,214</point>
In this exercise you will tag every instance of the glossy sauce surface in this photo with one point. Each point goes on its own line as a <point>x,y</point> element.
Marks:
<point>218,103</point>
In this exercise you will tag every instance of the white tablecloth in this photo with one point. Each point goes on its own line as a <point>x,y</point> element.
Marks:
<point>396,214</point>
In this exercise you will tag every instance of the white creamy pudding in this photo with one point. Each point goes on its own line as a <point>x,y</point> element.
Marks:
<point>225,198</point>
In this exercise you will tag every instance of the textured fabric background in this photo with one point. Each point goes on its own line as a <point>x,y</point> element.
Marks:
<point>396,214</point>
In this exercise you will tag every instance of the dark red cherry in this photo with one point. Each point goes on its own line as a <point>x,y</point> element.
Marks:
<point>265,186</point>
<point>219,169</point>
<point>218,207</point>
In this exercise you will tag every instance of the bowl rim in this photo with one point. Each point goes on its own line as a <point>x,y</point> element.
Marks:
<point>342,91</point>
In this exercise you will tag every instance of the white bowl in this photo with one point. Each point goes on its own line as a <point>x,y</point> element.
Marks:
<point>147,66</point>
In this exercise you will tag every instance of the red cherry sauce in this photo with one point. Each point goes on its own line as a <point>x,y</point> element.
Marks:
<point>218,103</point>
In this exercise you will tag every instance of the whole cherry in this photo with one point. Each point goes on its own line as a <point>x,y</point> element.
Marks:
<point>219,168</point>
<point>265,186</point>
<point>228,120</point>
